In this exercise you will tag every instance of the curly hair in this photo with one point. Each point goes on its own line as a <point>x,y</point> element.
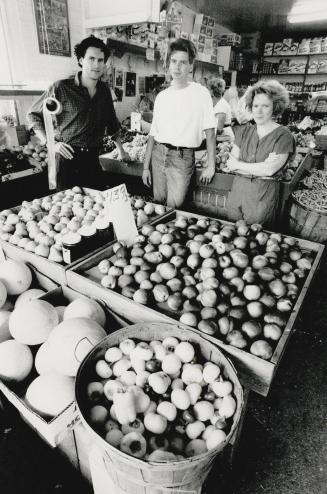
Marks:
<point>91,41</point>
<point>275,92</point>
<point>186,45</point>
<point>216,86</point>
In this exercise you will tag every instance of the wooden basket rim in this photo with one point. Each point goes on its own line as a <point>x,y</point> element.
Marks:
<point>209,455</point>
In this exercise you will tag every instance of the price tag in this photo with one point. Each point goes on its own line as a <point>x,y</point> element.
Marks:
<point>119,211</point>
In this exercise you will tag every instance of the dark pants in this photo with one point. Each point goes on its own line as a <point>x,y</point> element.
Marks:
<point>83,170</point>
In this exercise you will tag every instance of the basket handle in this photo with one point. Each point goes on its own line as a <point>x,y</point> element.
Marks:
<point>82,348</point>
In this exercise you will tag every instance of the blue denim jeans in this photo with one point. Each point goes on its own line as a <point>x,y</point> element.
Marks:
<point>172,172</point>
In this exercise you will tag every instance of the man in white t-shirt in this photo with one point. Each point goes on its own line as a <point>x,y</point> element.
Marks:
<point>182,113</point>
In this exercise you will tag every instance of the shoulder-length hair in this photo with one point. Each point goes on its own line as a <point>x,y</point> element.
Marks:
<point>275,92</point>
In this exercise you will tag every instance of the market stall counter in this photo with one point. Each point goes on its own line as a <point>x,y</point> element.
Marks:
<point>212,198</point>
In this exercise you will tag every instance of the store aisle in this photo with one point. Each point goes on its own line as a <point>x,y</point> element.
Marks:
<point>283,447</point>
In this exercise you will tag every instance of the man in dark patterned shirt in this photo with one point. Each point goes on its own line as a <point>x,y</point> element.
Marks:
<point>87,114</point>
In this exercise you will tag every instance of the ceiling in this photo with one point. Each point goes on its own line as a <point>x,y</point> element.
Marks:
<point>244,16</point>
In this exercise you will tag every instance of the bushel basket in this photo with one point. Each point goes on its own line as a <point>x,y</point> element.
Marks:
<point>135,476</point>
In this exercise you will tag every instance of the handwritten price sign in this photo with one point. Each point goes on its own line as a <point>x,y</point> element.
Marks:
<point>119,210</point>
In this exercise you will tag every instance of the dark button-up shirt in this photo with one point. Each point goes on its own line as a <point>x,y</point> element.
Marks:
<point>83,120</point>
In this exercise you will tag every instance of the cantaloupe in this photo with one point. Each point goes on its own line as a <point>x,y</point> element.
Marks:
<point>71,341</point>
<point>16,361</point>
<point>4,325</point>
<point>16,276</point>
<point>32,323</point>
<point>86,307</point>
<point>43,360</point>
<point>29,295</point>
<point>3,294</point>
<point>49,394</point>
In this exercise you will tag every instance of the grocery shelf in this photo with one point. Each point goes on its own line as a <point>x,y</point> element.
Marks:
<point>295,55</point>
<point>123,46</point>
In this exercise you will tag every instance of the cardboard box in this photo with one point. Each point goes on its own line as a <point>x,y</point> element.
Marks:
<point>278,48</point>
<point>53,431</point>
<point>200,29</point>
<point>268,49</point>
<point>229,39</point>
<point>201,19</point>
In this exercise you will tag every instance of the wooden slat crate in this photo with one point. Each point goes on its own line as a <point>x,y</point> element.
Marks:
<point>256,374</point>
<point>54,270</point>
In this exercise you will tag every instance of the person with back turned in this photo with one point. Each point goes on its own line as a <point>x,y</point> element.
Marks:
<point>87,114</point>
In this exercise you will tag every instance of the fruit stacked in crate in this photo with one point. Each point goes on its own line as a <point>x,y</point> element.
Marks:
<point>234,282</point>
<point>41,345</point>
<point>42,225</point>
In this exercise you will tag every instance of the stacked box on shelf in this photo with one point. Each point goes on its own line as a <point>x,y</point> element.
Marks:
<point>257,374</point>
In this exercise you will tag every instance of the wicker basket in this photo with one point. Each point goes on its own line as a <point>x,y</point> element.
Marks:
<point>134,476</point>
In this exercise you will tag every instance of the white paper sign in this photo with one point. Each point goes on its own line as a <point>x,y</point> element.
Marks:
<point>119,211</point>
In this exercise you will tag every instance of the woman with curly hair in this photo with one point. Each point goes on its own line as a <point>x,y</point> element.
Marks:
<point>259,153</point>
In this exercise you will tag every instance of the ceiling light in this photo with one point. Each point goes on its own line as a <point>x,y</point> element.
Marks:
<point>308,17</point>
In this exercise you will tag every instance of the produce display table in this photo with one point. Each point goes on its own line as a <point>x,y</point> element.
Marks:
<point>210,199</point>
<point>257,374</point>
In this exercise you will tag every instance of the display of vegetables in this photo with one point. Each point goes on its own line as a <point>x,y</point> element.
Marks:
<point>159,400</point>
<point>234,282</point>
<point>40,225</point>
<point>133,142</point>
<point>135,148</point>
<point>13,160</point>
<point>36,152</point>
<point>126,135</point>
<point>223,151</point>
<point>314,195</point>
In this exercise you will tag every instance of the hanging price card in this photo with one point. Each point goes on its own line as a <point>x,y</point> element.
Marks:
<point>119,211</point>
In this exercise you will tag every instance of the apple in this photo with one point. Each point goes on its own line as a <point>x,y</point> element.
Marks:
<point>262,349</point>
<point>255,309</point>
<point>208,327</point>
<point>224,261</point>
<point>252,292</point>
<point>251,328</point>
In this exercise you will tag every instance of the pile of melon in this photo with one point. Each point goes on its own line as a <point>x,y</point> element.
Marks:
<point>42,345</point>
<point>40,225</point>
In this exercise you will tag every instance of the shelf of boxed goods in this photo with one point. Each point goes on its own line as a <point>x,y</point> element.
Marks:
<point>121,47</point>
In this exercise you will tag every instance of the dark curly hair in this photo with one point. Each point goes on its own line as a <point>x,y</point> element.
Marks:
<point>274,90</point>
<point>91,41</point>
<point>182,44</point>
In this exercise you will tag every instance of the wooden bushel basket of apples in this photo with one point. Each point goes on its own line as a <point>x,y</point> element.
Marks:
<point>161,402</point>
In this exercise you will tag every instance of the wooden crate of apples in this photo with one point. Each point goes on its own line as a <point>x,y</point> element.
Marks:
<point>233,282</point>
<point>39,226</point>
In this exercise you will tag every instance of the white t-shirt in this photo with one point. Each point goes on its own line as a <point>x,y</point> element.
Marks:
<point>181,115</point>
<point>223,107</point>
